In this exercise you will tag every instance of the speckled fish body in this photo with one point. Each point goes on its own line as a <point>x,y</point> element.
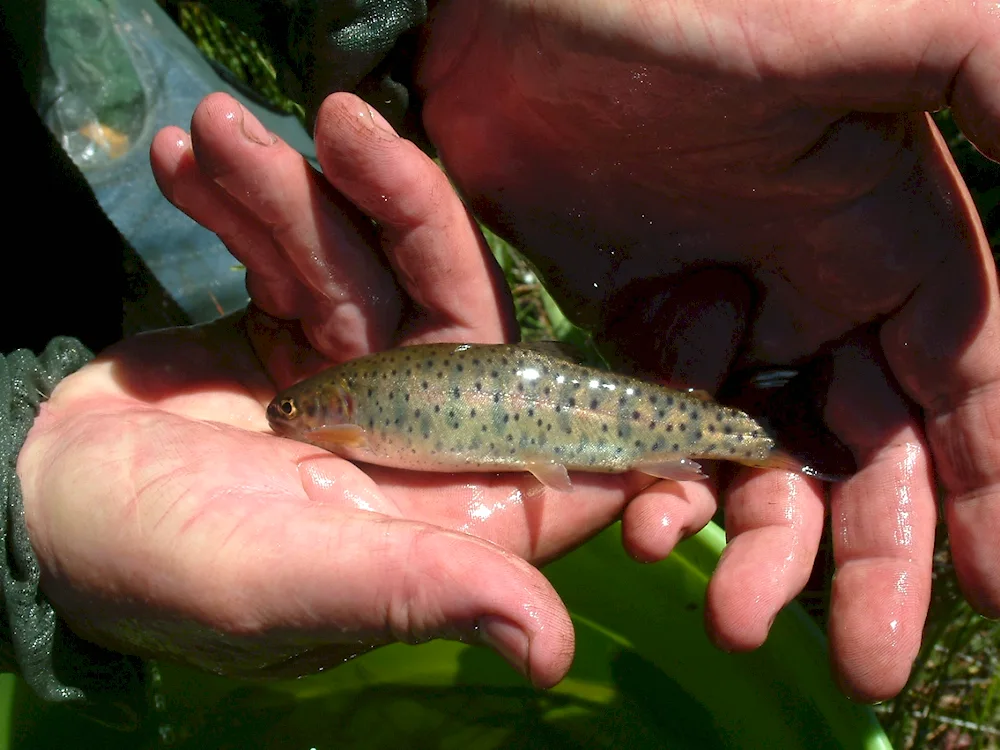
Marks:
<point>474,407</point>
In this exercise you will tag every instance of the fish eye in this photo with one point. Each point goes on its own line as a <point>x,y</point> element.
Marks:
<point>288,408</point>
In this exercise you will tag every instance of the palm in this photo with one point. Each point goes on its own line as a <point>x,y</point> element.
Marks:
<point>713,184</point>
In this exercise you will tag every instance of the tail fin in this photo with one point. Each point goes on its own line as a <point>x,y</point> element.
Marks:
<point>789,404</point>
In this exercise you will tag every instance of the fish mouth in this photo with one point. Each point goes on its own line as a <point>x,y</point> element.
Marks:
<point>279,423</point>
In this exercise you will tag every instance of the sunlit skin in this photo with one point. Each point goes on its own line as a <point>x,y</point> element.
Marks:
<point>613,148</point>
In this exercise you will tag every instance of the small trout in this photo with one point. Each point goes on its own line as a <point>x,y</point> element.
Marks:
<point>524,407</point>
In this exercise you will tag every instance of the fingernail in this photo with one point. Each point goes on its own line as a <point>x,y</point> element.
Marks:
<point>253,129</point>
<point>381,123</point>
<point>508,640</point>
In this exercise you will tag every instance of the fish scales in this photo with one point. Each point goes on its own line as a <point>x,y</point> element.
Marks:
<point>448,407</point>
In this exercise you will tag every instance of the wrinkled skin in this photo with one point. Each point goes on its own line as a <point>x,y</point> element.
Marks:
<point>617,150</point>
<point>782,143</point>
<point>169,521</point>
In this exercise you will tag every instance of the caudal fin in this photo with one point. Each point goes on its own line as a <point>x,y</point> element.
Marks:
<point>790,405</point>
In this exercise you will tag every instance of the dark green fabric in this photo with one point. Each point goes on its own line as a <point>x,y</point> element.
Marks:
<point>33,642</point>
<point>323,46</point>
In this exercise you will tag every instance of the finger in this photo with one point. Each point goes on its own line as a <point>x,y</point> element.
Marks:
<point>437,252</point>
<point>942,348</point>
<point>773,521</point>
<point>663,515</point>
<point>380,579</point>
<point>181,181</point>
<point>352,306</point>
<point>883,521</point>
<point>685,332</point>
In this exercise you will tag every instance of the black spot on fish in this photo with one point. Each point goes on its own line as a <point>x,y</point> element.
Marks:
<point>496,398</point>
<point>698,435</point>
<point>426,434</point>
<point>670,400</point>
<point>406,397</point>
<point>396,420</point>
<point>652,400</point>
<point>619,450</point>
<point>510,437</point>
<point>638,444</point>
<point>571,402</point>
<point>728,429</point>
<point>531,412</point>
<point>558,408</point>
<point>447,363</point>
<point>494,374</point>
<point>568,430</point>
<point>539,423</point>
<point>604,427</point>
<point>683,406</point>
<point>371,423</point>
<point>451,414</point>
<point>440,375</point>
<point>695,414</point>
<point>394,371</point>
<point>512,451</point>
<point>424,385</point>
<point>547,390</point>
<point>711,428</point>
<point>472,413</point>
<point>479,386</point>
<point>748,454</point>
<point>621,433</point>
<point>456,393</point>
<point>636,415</point>
<point>594,403</point>
<point>682,427</point>
<point>652,425</point>
<point>732,451</point>
<point>621,401</point>
<point>517,417</point>
<point>557,449</point>
<point>503,361</point>
<point>460,368</point>
<point>657,446</point>
<point>437,408</point>
<point>520,387</point>
<point>709,448</point>
<point>476,362</point>
<point>455,426</point>
<point>676,447</point>
<point>506,418</point>
<point>484,428</point>
<point>370,392</point>
<point>387,423</point>
<point>592,461</point>
<point>548,427</point>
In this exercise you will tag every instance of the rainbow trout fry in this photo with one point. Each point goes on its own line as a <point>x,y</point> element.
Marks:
<point>514,407</point>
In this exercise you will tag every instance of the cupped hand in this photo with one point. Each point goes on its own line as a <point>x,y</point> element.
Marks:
<point>709,185</point>
<point>170,522</point>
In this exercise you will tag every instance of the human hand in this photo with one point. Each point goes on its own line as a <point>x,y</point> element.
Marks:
<point>170,522</point>
<point>759,184</point>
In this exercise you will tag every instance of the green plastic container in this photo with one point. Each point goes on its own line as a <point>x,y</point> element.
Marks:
<point>645,676</point>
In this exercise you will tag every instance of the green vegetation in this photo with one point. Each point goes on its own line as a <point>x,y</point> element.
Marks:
<point>953,698</point>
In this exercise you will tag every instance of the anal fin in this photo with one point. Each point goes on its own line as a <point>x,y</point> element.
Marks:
<point>678,469</point>
<point>554,476</point>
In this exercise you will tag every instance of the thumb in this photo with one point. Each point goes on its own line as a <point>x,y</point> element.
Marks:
<point>384,580</point>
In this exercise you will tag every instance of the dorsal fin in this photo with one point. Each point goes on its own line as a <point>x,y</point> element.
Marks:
<point>559,349</point>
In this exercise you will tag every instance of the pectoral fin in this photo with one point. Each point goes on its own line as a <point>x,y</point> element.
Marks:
<point>678,469</point>
<point>337,436</point>
<point>553,476</point>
